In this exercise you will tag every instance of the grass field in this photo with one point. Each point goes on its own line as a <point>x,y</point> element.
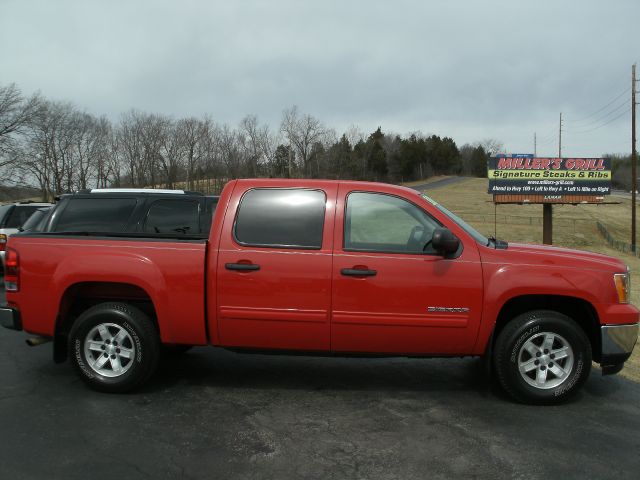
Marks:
<point>573,226</point>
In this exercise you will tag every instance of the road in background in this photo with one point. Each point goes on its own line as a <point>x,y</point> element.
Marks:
<point>624,194</point>
<point>217,414</point>
<point>439,183</point>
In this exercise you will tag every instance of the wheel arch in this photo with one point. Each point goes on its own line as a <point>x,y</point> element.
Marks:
<point>81,296</point>
<point>578,309</point>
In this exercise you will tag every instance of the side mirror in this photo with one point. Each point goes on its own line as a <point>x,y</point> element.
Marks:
<point>444,241</point>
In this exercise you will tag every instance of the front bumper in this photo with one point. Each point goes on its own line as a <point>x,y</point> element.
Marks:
<point>10,318</point>
<point>617,345</point>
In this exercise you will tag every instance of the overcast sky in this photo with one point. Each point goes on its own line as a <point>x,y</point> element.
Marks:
<point>465,69</point>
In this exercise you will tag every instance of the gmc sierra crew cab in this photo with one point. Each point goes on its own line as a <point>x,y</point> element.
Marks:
<point>320,267</point>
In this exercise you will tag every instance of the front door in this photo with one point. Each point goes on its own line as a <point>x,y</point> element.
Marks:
<point>274,268</point>
<point>391,292</point>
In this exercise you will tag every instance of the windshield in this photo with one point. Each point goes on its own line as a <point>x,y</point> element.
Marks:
<point>464,225</point>
<point>34,220</point>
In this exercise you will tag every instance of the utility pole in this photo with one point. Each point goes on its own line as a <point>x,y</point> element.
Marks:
<point>535,145</point>
<point>547,208</point>
<point>634,160</point>
<point>560,138</point>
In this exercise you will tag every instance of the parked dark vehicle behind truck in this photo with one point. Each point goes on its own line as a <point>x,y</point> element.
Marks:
<point>12,218</point>
<point>137,212</point>
<point>311,266</point>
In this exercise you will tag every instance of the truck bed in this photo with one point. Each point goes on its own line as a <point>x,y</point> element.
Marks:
<point>169,272</point>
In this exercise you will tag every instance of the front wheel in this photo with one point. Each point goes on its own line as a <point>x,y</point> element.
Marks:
<point>114,347</point>
<point>542,357</point>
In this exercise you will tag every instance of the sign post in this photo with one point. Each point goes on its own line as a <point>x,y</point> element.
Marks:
<point>547,224</point>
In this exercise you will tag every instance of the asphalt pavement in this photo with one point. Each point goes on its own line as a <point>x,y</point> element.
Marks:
<point>216,414</point>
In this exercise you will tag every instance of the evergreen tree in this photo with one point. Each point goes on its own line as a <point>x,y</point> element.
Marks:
<point>280,166</point>
<point>479,160</point>
<point>340,159</point>
<point>377,157</point>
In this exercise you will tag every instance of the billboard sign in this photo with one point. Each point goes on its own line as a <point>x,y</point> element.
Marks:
<point>549,178</point>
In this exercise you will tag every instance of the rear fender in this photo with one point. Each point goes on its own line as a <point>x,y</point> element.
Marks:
<point>115,267</point>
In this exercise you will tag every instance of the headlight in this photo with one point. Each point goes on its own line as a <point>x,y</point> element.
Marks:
<point>623,286</point>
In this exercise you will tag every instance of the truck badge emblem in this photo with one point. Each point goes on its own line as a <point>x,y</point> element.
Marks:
<point>448,309</point>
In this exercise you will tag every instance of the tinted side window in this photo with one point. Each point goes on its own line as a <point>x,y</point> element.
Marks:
<point>383,223</point>
<point>95,215</point>
<point>19,215</point>
<point>173,217</point>
<point>4,209</point>
<point>277,217</point>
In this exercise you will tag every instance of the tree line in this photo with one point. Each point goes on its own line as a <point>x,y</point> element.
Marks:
<point>61,148</point>
<point>620,171</point>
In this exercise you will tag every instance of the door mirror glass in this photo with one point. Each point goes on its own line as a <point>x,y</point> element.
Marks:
<point>444,241</point>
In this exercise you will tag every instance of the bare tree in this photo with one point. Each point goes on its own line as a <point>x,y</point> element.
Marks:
<point>110,172</point>
<point>48,153</point>
<point>258,143</point>
<point>249,138</point>
<point>170,153</point>
<point>104,157</point>
<point>269,142</point>
<point>232,156</point>
<point>91,138</point>
<point>302,131</point>
<point>60,148</point>
<point>354,134</point>
<point>142,140</point>
<point>63,149</point>
<point>16,115</point>
<point>195,138</point>
<point>154,131</point>
<point>491,146</point>
<point>129,144</point>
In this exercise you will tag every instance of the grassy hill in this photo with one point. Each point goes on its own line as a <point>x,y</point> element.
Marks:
<point>11,194</point>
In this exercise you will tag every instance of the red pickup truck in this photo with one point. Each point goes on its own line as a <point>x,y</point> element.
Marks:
<point>321,267</point>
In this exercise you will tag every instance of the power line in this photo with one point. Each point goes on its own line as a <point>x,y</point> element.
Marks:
<point>590,123</point>
<point>548,137</point>
<point>603,125</point>
<point>602,108</point>
<point>548,141</point>
<point>550,133</point>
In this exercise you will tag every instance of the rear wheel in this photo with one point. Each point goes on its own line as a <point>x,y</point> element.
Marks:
<point>114,347</point>
<point>542,357</point>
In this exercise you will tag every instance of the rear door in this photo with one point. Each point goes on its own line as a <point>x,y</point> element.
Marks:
<point>274,267</point>
<point>392,295</point>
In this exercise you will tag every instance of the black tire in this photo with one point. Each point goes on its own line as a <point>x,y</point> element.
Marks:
<point>139,340</point>
<point>540,385</point>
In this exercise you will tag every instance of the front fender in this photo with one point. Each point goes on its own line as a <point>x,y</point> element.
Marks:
<point>506,282</point>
